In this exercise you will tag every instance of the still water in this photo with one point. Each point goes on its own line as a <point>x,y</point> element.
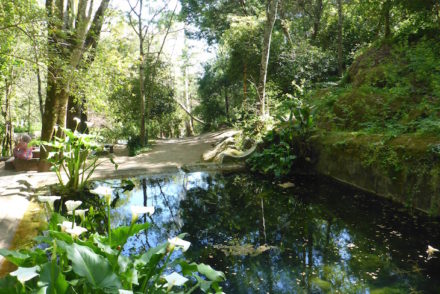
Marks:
<point>315,236</point>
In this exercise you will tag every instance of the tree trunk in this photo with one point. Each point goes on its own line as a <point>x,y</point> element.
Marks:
<point>244,82</point>
<point>317,14</point>
<point>40,92</point>
<point>340,22</point>
<point>387,19</point>
<point>188,124</point>
<point>271,13</point>
<point>226,103</point>
<point>76,109</point>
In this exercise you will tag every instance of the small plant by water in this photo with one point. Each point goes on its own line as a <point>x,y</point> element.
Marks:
<point>75,156</point>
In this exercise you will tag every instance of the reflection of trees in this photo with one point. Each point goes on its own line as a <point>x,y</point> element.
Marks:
<point>309,229</point>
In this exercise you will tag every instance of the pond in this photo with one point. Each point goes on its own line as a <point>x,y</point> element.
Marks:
<point>316,236</point>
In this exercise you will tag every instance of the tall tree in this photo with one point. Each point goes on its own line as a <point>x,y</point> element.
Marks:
<point>340,45</point>
<point>271,13</point>
<point>73,29</point>
<point>143,27</point>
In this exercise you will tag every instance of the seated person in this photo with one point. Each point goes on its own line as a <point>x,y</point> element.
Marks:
<point>21,150</point>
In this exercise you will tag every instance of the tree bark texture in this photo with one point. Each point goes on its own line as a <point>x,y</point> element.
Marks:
<point>271,13</point>
<point>70,35</point>
<point>387,18</point>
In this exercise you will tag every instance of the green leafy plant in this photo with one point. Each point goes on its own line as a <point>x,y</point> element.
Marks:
<point>287,141</point>
<point>74,155</point>
<point>64,262</point>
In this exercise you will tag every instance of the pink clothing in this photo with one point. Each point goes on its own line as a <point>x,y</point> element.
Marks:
<point>21,151</point>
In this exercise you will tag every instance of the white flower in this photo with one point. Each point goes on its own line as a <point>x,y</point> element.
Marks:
<point>80,212</point>
<point>103,191</point>
<point>66,225</point>
<point>72,205</point>
<point>176,241</point>
<point>24,274</point>
<point>137,210</point>
<point>76,231</point>
<point>431,250</point>
<point>175,279</point>
<point>89,124</point>
<point>121,291</point>
<point>77,119</point>
<point>48,199</point>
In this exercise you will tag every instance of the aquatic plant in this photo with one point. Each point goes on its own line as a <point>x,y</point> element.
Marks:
<point>69,263</point>
<point>75,156</point>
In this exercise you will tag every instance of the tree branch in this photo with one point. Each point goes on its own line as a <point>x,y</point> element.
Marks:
<point>189,113</point>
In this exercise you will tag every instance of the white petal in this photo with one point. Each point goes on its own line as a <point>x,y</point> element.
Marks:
<point>139,210</point>
<point>125,291</point>
<point>24,274</point>
<point>48,199</point>
<point>175,279</point>
<point>176,241</point>
<point>65,225</point>
<point>102,191</point>
<point>76,231</point>
<point>71,205</point>
<point>79,212</point>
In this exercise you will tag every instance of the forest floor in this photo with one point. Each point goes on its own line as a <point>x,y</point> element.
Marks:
<point>19,212</point>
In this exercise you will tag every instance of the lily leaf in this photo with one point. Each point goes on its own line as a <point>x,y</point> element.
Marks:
<point>9,285</point>
<point>52,277</point>
<point>93,267</point>
<point>152,255</point>
<point>15,257</point>
<point>120,235</point>
<point>211,273</point>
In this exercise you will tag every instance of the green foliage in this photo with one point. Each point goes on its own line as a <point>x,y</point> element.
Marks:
<point>391,88</point>
<point>95,264</point>
<point>73,155</point>
<point>287,142</point>
<point>277,159</point>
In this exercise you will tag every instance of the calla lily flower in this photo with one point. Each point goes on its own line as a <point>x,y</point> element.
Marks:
<point>139,210</point>
<point>103,192</point>
<point>72,205</point>
<point>76,231</point>
<point>24,274</point>
<point>80,212</point>
<point>89,125</point>
<point>66,225</point>
<point>174,279</point>
<point>48,199</point>
<point>176,241</point>
<point>121,291</point>
<point>77,119</point>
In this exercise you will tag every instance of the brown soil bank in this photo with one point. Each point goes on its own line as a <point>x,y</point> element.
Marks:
<point>405,169</point>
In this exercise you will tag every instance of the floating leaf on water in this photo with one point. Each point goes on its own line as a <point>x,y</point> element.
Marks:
<point>286,185</point>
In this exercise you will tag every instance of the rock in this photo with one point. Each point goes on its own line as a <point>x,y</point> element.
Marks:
<point>223,145</point>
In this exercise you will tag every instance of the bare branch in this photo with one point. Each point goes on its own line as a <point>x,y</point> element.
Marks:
<point>189,113</point>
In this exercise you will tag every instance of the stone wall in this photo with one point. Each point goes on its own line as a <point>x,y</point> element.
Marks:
<point>405,169</point>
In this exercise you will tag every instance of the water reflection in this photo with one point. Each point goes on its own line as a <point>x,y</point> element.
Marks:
<point>315,237</point>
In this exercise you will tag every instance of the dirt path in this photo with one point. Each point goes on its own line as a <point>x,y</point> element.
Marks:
<point>16,188</point>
